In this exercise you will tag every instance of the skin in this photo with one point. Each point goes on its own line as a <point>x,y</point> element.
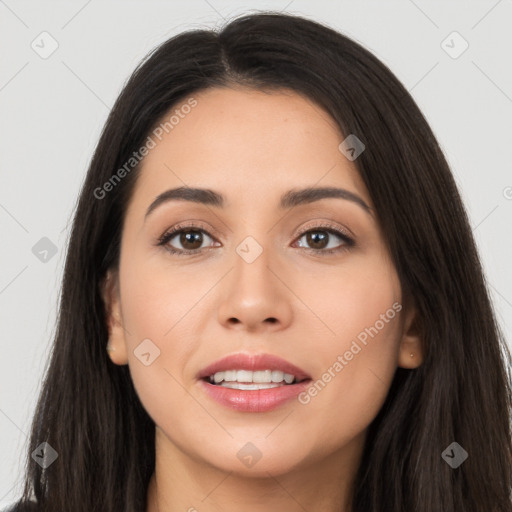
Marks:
<point>253,146</point>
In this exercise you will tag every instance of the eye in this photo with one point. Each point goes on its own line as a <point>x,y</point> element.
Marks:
<point>319,239</point>
<point>190,238</point>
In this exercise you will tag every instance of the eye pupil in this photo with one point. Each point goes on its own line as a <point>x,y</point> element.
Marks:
<point>312,238</point>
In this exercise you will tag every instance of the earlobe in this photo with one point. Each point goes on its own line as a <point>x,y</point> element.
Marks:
<point>116,346</point>
<point>410,354</point>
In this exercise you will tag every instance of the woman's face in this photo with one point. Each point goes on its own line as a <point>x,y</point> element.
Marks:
<point>253,277</point>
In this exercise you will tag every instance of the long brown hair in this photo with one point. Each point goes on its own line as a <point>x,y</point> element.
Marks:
<point>88,410</point>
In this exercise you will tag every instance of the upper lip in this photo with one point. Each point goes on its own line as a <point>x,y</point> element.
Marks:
<point>253,362</point>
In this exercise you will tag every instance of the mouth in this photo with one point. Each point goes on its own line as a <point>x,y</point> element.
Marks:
<point>266,370</point>
<point>253,382</point>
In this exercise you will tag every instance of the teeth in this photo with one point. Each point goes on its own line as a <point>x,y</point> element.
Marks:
<point>243,376</point>
<point>277,376</point>
<point>288,378</point>
<point>230,376</point>
<point>262,376</point>
<point>270,377</point>
<point>249,387</point>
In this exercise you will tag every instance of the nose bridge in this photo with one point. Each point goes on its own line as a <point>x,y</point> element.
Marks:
<point>252,264</point>
<point>253,294</point>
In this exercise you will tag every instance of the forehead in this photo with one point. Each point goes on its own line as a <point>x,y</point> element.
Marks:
<point>246,141</point>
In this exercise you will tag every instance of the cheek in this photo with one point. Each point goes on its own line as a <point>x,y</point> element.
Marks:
<point>356,358</point>
<point>157,315</point>
<point>346,300</point>
<point>158,296</point>
<point>351,384</point>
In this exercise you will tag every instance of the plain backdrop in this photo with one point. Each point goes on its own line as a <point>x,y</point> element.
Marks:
<point>54,106</point>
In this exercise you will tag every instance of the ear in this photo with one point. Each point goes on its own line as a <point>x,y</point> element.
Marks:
<point>116,348</point>
<point>411,342</point>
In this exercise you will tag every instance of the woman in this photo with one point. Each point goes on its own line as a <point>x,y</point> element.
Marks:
<point>327,340</point>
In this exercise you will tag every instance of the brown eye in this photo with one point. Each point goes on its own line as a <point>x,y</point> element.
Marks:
<point>190,240</point>
<point>320,239</point>
<point>316,241</point>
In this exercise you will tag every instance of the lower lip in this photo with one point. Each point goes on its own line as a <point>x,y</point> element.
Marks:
<point>258,400</point>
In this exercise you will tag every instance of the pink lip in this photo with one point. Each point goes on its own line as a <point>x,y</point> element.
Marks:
<point>252,362</point>
<point>258,400</point>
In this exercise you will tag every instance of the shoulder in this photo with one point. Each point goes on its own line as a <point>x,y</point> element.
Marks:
<point>30,506</point>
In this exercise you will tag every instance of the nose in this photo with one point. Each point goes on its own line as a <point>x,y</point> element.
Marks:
<point>254,296</point>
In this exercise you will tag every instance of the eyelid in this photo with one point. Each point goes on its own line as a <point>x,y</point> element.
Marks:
<point>188,224</point>
<point>323,224</point>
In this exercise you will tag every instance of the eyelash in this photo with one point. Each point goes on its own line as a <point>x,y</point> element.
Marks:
<point>181,228</point>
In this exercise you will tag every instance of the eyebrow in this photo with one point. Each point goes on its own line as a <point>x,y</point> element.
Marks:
<point>290,199</point>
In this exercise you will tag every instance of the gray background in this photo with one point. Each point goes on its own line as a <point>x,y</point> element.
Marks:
<point>52,111</point>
